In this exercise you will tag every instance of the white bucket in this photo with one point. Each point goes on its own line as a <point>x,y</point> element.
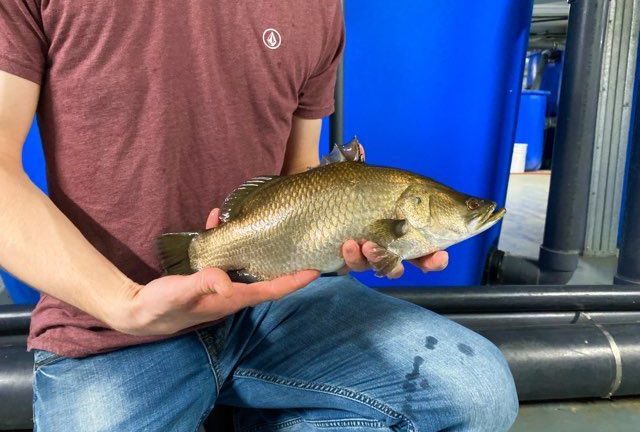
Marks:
<point>519,157</point>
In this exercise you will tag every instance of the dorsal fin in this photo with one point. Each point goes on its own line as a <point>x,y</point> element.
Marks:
<point>232,205</point>
<point>352,151</point>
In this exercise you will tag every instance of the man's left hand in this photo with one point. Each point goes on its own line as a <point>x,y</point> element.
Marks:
<point>359,256</point>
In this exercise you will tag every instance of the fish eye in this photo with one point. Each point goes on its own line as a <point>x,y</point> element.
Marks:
<point>473,204</point>
<point>417,200</point>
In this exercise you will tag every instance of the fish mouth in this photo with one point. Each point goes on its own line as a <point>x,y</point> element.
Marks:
<point>488,218</point>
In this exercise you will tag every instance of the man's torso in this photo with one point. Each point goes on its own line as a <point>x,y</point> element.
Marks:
<point>151,112</point>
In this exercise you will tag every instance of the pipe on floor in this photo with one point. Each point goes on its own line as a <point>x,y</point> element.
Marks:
<point>524,319</point>
<point>522,298</point>
<point>571,361</point>
<point>566,218</point>
<point>15,319</point>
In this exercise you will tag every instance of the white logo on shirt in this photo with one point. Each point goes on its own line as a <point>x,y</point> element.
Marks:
<point>271,38</point>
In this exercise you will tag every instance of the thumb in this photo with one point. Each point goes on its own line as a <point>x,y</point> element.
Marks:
<point>211,281</point>
<point>213,220</point>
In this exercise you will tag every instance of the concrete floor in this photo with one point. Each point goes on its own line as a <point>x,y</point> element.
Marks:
<point>595,416</point>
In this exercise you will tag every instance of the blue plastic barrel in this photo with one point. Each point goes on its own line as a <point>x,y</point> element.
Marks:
<point>531,124</point>
<point>34,165</point>
<point>551,79</point>
<point>433,86</point>
<point>532,67</point>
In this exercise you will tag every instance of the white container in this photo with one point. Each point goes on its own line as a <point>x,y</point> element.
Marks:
<point>519,158</point>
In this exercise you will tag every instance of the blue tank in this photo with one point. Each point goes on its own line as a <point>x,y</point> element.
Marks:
<point>34,165</point>
<point>433,86</point>
<point>531,124</point>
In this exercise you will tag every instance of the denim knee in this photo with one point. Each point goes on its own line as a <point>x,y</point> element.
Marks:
<point>484,399</point>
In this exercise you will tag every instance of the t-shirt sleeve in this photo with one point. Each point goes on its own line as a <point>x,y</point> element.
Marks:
<point>316,99</point>
<point>22,39</point>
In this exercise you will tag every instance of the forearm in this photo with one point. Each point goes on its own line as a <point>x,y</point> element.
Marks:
<point>42,247</point>
<point>302,147</point>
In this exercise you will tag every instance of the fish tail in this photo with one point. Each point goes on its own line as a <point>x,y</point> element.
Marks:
<point>173,249</point>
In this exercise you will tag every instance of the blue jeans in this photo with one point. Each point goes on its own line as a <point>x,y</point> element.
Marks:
<point>334,356</point>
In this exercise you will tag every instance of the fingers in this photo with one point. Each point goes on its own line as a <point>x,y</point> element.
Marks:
<point>245,295</point>
<point>212,280</point>
<point>353,256</point>
<point>435,262</point>
<point>213,220</point>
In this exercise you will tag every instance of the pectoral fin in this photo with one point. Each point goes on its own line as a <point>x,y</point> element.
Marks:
<point>383,232</point>
<point>384,261</point>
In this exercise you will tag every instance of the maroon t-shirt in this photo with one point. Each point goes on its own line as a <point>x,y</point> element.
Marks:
<point>151,112</point>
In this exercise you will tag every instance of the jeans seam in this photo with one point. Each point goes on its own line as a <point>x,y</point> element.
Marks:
<point>214,372</point>
<point>342,423</point>
<point>212,364</point>
<point>329,389</point>
<point>51,359</point>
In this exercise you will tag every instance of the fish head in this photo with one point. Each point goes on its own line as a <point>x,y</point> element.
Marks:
<point>446,216</point>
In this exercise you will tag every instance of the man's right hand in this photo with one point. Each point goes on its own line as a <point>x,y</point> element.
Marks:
<point>172,303</point>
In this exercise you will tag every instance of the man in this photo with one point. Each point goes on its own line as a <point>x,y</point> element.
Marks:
<point>150,113</point>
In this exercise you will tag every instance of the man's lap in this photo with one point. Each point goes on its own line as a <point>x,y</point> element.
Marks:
<point>334,355</point>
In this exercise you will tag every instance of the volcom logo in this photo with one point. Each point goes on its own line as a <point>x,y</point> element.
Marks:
<point>271,38</point>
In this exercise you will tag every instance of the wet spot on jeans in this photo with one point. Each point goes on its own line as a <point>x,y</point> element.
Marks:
<point>415,373</point>
<point>431,342</point>
<point>409,386</point>
<point>466,350</point>
<point>424,384</point>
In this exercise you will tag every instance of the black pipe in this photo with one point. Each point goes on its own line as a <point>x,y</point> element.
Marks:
<point>629,259</point>
<point>521,319</point>
<point>336,120</point>
<point>566,218</point>
<point>15,319</point>
<point>522,298</point>
<point>571,361</point>
<point>16,395</point>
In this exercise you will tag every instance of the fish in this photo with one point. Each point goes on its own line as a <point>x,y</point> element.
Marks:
<point>271,226</point>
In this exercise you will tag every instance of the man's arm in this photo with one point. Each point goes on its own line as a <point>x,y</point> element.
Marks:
<point>43,248</point>
<point>302,147</point>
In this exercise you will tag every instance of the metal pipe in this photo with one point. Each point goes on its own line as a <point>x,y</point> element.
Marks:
<point>522,298</point>
<point>566,218</point>
<point>15,319</point>
<point>575,137</point>
<point>571,361</point>
<point>336,120</point>
<point>16,394</point>
<point>524,319</point>
<point>629,259</point>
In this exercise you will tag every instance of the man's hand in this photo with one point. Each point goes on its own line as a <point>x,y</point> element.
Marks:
<point>358,257</point>
<point>172,303</point>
